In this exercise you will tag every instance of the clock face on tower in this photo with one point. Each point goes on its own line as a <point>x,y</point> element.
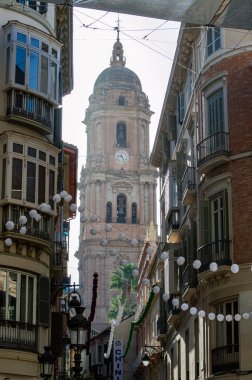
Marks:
<point>121,156</point>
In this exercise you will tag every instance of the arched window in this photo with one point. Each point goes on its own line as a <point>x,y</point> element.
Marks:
<point>121,208</point>
<point>121,101</point>
<point>134,213</point>
<point>109,212</point>
<point>121,135</point>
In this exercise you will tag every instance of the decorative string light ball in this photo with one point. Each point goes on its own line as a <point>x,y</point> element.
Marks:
<point>23,230</point>
<point>22,219</point>
<point>211,316</point>
<point>180,260</point>
<point>237,317</point>
<point>146,282</point>
<point>134,242</point>
<point>63,193</point>
<point>156,289</point>
<point>108,228</point>
<point>149,250</point>
<point>83,218</point>
<point>184,306</point>
<point>229,318</point>
<point>235,268</point>
<point>245,315</point>
<point>8,242</point>
<point>68,198</point>
<point>202,313</point>
<point>164,255</point>
<point>81,208</point>
<point>9,225</point>
<point>196,264</point>
<point>124,262</point>
<point>135,273</point>
<point>93,218</point>
<point>166,297</point>
<point>122,237</point>
<point>193,310</point>
<point>112,252</point>
<point>220,317</point>
<point>213,267</point>
<point>93,231</point>
<point>44,207</point>
<point>175,302</point>
<point>33,213</point>
<point>103,242</point>
<point>73,207</point>
<point>37,217</point>
<point>56,198</point>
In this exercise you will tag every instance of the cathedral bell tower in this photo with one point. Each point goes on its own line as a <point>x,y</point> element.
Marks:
<point>117,184</point>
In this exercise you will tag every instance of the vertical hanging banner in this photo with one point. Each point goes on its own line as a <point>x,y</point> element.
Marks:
<point>118,360</point>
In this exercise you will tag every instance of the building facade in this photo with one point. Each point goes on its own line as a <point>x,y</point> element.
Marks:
<point>117,185</point>
<point>203,151</point>
<point>36,71</point>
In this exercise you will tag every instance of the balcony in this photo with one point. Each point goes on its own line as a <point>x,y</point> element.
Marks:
<point>29,110</point>
<point>173,311</point>
<point>217,251</point>
<point>188,186</point>
<point>30,232</point>
<point>225,358</point>
<point>213,151</point>
<point>173,233</point>
<point>17,335</point>
<point>189,281</point>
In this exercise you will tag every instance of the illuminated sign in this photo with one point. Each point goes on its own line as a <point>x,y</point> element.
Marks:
<point>118,360</point>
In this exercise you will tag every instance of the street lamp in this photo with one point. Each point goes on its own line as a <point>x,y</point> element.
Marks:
<point>46,361</point>
<point>148,351</point>
<point>78,326</point>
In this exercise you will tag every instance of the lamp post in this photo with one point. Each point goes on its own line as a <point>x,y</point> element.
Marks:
<point>147,352</point>
<point>46,361</point>
<point>78,326</point>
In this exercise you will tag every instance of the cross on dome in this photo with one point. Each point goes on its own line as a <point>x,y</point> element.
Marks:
<point>117,58</point>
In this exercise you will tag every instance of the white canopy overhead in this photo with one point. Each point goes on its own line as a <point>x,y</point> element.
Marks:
<point>224,13</point>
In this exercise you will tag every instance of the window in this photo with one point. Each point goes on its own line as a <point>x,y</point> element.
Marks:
<point>213,40</point>
<point>17,166</point>
<point>181,107</point>
<point>109,212</point>
<point>17,148</point>
<point>121,208</point>
<point>215,112</point>
<point>42,155</point>
<point>31,182</point>
<point>121,101</point>
<point>41,184</point>
<point>31,152</point>
<point>121,135</point>
<point>227,333</point>
<point>134,213</point>
<point>3,178</point>
<point>219,218</point>
<point>51,187</point>
<point>17,296</point>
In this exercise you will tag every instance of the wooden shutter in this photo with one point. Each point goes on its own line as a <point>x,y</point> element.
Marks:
<point>57,333</point>
<point>44,301</point>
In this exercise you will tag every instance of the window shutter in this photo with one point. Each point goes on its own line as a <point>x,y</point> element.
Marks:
<point>57,333</point>
<point>58,127</point>
<point>44,301</point>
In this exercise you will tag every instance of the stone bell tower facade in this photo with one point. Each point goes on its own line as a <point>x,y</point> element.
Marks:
<point>118,184</point>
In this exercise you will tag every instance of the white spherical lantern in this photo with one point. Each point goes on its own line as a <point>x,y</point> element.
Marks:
<point>237,317</point>
<point>73,207</point>
<point>93,231</point>
<point>229,318</point>
<point>122,236</point>
<point>164,255</point>
<point>180,260</point>
<point>234,268</point>
<point>135,273</point>
<point>112,252</point>
<point>33,213</point>
<point>103,242</point>
<point>134,242</point>
<point>220,317</point>
<point>38,217</point>
<point>211,316</point>
<point>193,310</point>
<point>175,302</point>
<point>68,198</point>
<point>56,198</point>
<point>196,264</point>
<point>108,228</point>
<point>43,207</point>
<point>93,218</point>
<point>8,242</point>
<point>146,282</point>
<point>83,218</point>
<point>202,313</point>
<point>63,193</point>
<point>213,267</point>
<point>245,315</point>
<point>23,230</point>
<point>124,262</point>
<point>156,289</point>
<point>166,297</point>
<point>149,250</point>
<point>22,219</point>
<point>184,306</point>
<point>81,208</point>
<point>9,225</point>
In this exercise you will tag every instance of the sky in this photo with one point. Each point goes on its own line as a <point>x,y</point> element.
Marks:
<point>149,46</point>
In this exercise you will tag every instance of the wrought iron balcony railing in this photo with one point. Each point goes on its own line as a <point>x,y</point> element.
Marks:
<point>225,358</point>
<point>188,278</point>
<point>188,180</point>
<point>171,309</point>
<point>217,251</point>
<point>17,335</point>
<point>213,145</point>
